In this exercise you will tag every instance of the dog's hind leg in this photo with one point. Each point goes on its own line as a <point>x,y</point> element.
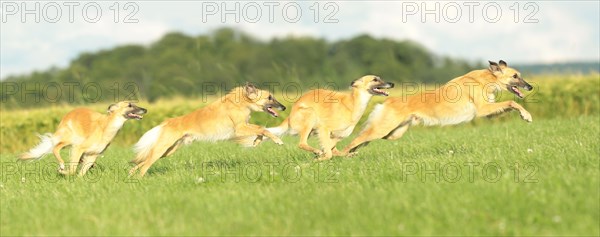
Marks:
<point>385,129</point>
<point>136,167</point>
<point>371,132</point>
<point>327,144</point>
<point>303,144</point>
<point>334,150</point>
<point>401,129</point>
<point>175,146</point>
<point>160,149</point>
<point>397,133</point>
<point>56,152</point>
<point>303,122</point>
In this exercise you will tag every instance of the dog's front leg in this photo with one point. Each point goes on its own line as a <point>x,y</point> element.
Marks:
<point>87,163</point>
<point>243,130</point>
<point>497,108</point>
<point>258,140</point>
<point>76,153</point>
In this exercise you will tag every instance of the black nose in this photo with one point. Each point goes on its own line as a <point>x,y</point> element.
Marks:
<point>528,87</point>
<point>391,84</point>
<point>283,108</point>
<point>144,110</point>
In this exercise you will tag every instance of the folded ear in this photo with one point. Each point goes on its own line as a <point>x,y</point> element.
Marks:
<point>494,67</point>
<point>112,108</point>
<point>353,84</point>
<point>502,64</point>
<point>250,88</point>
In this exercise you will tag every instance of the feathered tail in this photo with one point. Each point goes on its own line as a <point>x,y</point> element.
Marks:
<point>144,145</point>
<point>281,129</point>
<point>47,143</point>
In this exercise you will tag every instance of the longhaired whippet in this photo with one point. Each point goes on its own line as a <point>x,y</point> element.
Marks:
<point>88,132</point>
<point>331,114</point>
<point>227,118</point>
<point>460,100</point>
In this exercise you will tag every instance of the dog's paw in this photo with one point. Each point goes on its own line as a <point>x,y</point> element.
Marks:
<point>526,116</point>
<point>278,141</point>
<point>63,172</point>
<point>338,153</point>
<point>322,156</point>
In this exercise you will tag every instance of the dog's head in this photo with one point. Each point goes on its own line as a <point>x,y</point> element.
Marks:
<point>261,100</point>
<point>509,78</point>
<point>127,109</point>
<point>372,84</point>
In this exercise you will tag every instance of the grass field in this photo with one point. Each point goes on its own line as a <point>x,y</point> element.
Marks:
<point>507,178</point>
<point>553,96</point>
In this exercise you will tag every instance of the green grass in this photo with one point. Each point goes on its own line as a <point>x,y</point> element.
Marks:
<point>389,188</point>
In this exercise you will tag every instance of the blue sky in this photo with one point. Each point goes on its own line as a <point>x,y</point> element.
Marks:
<point>564,31</point>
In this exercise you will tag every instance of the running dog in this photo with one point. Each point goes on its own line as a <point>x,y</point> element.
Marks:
<point>224,119</point>
<point>332,115</point>
<point>460,100</point>
<point>88,132</point>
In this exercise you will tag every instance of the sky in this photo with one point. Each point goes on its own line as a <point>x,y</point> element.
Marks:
<point>522,32</point>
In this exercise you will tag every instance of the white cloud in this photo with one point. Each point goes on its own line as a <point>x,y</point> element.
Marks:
<point>566,31</point>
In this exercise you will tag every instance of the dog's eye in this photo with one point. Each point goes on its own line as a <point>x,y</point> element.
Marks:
<point>130,105</point>
<point>270,97</point>
<point>515,76</point>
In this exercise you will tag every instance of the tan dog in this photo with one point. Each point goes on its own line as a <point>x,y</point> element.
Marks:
<point>331,114</point>
<point>460,100</point>
<point>226,118</point>
<point>88,132</point>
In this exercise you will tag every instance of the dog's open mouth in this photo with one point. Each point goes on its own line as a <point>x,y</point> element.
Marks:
<point>379,91</point>
<point>515,91</point>
<point>272,112</point>
<point>134,116</point>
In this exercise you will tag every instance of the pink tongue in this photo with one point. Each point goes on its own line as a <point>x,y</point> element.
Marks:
<point>380,91</point>
<point>518,92</point>
<point>272,111</point>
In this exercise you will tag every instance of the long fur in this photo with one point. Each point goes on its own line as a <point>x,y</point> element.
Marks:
<point>144,145</point>
<point>250,141</point>
<point>281,129</point>
<point>47,143</point>
<point>374,115</point>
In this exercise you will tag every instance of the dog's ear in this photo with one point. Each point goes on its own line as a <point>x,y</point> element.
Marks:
<point>494,67</point>
<point>353,84</point>
<point>112,108</point>
<point>502,64</point>
<point>250,89</point>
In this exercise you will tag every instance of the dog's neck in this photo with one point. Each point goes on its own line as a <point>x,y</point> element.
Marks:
<point>111,124</point>
<point>360,100</point>
<point>485,77</point>
<point>237,99</point>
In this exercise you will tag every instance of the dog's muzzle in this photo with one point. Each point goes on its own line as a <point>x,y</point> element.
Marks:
<point>270,109</point>
<point>137,113</point>
<point>379,90</point>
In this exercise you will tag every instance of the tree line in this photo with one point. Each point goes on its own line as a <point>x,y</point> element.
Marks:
<point>183,65</point>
